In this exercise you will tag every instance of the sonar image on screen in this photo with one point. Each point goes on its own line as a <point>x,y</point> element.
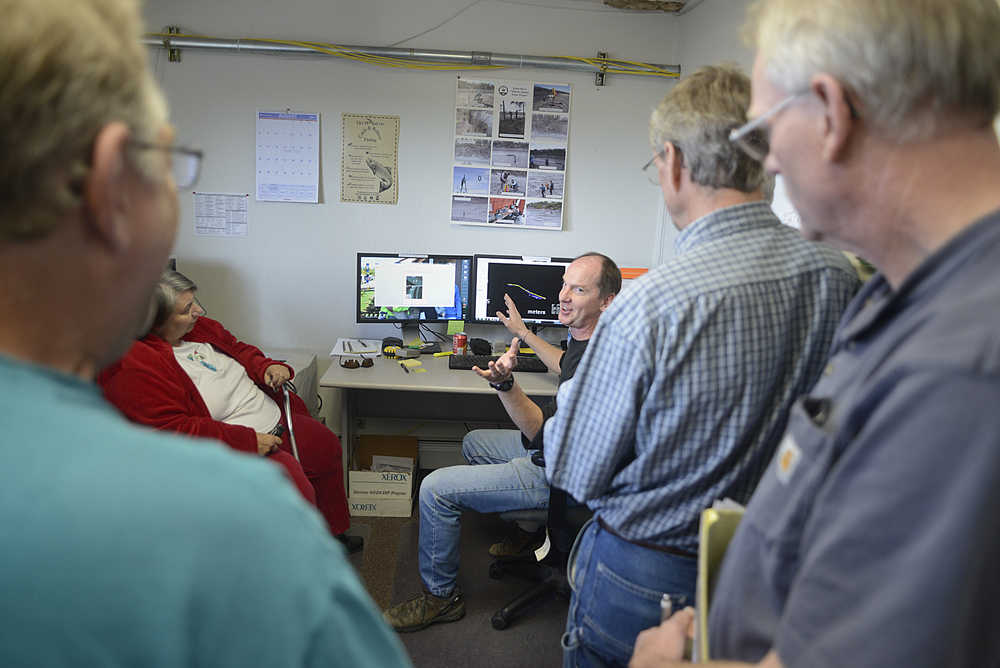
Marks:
<point>534,289</point>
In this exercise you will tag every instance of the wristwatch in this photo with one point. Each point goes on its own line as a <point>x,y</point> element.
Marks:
<point>504,385</point>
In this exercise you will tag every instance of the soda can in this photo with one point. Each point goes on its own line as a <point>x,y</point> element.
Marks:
<point>460,344</point>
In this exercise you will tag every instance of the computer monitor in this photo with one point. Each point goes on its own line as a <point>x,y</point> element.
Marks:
<point>397,287</point>
<point>532,282</point>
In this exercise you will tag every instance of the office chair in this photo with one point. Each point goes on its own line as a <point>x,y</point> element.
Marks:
<point>549,574</point>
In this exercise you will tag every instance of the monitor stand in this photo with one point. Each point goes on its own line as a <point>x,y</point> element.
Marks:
<point>411,332</point>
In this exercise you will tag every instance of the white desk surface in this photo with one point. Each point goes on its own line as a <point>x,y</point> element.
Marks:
<point>387,375</point>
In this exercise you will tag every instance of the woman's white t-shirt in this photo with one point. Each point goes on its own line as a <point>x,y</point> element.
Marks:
<point>228,392</point>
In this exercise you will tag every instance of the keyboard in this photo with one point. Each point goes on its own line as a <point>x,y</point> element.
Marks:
<point>524,363</point>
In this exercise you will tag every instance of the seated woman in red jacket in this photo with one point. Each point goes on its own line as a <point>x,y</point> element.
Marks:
<point>190,375</point>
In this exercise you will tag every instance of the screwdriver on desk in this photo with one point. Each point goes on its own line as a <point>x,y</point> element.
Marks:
<point>403,366</point>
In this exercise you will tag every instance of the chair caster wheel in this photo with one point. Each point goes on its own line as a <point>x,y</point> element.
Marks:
<point>496,571</point>
<point>499,621</point>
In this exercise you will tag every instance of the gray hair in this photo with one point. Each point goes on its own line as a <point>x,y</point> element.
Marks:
<point>168,288</point>
<point>67,69</point>
<point>912,64</point>
<point>696,117</point>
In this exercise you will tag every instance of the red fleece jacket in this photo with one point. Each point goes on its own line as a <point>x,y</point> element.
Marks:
<point>149,386</point>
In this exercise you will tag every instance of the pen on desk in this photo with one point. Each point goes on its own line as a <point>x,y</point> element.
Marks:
<point>350,349</point>
<point>404,367</point>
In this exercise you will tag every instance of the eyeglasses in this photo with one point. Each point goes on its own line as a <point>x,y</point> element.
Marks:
<point>352,363</point>
<point>754,137</point>
<point>654,177</point>
<point>204,311</point>
<point>185,163</point>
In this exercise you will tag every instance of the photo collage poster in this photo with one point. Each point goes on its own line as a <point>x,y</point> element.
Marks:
<point>510,153</point>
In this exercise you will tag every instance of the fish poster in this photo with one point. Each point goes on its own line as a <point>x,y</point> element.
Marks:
<point>509,160</point>
<point>369,159</point>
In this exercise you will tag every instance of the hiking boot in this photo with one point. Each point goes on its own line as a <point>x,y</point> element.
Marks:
<point>519,544</point>
<point>425,609</point>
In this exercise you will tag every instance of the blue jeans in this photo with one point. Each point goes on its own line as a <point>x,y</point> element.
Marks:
<point>617,587</point>
<point>500,477</point>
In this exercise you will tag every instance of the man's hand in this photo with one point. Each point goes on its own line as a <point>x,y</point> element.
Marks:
<point>512,320</point>
<point>658,645</point>
<point>500,370</point>
<point>276,375</point>
<point>267,443</point>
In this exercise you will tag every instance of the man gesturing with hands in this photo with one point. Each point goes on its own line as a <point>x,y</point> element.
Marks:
<point>500,459</point>
<point>548,353</point>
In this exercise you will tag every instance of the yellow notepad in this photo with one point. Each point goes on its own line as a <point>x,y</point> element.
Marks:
<point>717,528</point>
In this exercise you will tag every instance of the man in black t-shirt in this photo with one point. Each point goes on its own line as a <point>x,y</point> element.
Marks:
<point>501,475</point>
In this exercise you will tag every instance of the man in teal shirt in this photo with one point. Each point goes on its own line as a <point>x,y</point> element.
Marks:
<point>123,546</point>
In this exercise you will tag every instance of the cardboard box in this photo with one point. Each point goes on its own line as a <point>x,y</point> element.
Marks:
<point>382,493</point>
<point>365,507</point>
<point>395,446</point>
<point>393,485</point>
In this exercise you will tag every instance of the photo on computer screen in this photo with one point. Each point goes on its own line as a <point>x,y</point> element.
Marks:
<point>533,286</point>
<point>415,287</point>
<point>404,288</point>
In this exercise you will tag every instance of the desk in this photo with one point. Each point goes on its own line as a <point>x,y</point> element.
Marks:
<point>385,390</point>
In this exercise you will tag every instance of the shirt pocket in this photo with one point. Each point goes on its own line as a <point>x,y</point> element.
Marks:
<point>784,498</point>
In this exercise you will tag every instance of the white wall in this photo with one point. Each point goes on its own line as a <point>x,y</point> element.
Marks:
<point>291,281</point>
<point>711,34</point>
